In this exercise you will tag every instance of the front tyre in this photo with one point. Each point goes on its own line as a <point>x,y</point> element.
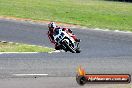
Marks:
<point>70,48</point>
<point>78,50</point>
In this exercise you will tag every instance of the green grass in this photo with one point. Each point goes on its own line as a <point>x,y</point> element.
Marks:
<point>90,13</point>
<point>14,47</point>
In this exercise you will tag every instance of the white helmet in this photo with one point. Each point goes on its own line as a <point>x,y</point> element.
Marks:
<point>52,25</point>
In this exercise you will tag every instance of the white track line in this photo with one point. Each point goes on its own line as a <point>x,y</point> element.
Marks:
<point>56,51</point>
<point>18,52</point>
<point>30,74</point>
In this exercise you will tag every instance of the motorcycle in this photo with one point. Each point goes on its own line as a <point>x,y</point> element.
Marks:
<point>66,42</point>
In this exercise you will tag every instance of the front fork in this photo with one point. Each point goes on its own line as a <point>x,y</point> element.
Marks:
<point>77,44</point>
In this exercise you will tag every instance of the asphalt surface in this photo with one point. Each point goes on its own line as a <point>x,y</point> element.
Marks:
<point>102,52</point>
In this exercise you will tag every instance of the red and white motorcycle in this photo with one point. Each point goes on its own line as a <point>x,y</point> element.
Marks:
<point>66,42</point>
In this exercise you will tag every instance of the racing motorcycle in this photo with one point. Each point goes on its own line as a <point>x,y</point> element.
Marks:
<point>66,42</point>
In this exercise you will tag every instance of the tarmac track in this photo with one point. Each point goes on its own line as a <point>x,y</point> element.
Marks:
<point>102,52</point>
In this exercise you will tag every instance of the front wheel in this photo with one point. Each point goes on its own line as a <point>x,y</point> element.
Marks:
<point>70,48</point>
<point>78,50</point>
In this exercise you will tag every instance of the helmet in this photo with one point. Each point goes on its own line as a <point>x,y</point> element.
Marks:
<point>52,25</point>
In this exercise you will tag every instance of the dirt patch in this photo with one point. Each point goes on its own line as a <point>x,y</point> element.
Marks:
<point>39,21</point>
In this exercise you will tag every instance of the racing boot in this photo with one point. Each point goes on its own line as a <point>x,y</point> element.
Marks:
<point>57,47</point>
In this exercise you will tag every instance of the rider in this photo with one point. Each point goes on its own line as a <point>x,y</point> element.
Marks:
<point>52,26</point>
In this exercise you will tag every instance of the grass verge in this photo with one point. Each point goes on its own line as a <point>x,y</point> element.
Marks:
<point>90,13</point>
<point>18,47</point>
